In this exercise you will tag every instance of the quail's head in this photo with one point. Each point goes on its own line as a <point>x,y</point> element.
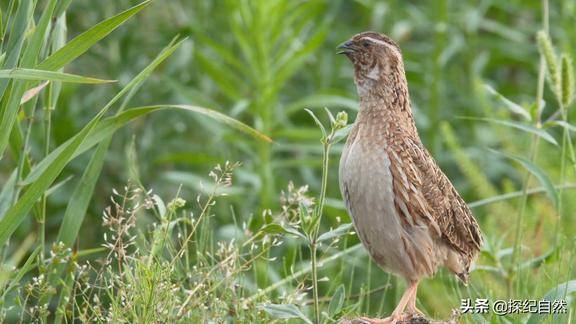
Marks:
<point>372,54</point>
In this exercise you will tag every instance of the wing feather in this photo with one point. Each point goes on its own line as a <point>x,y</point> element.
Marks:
<point>427,196</point>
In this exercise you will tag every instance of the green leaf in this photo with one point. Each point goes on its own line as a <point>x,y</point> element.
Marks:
<point>523,127</point>
<point>63,299</point>
<point>30,56</point>
<point>559,292</point>
<point>82,195</point>
<point>28,266</point>
<point>83,253</point>
<point>510,195</point>
<point>62,6</point>
<point>342,133</point>
<point>17,36</point>
<point>228,82</point>
<point>7,193</point>
<point>110,125</point>
<point>512,106</point>
<point>273,229</point>
<point>291,230</point>
<point>18,212</point>
<point>537,261</point>
<point>562,123</point>
<point>58,185</point>
<point>220,117</point>
<point>330,116</point>
<point>285,311</point>
<point>537,172</point>
<point>40,75</point>
<point>337,232</point>
<point>337,301</point>
<point>80,44</point>
<point>303,214</point>
<point>318,122</point>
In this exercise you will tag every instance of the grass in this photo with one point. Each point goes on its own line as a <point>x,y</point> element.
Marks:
<point>152,97</point>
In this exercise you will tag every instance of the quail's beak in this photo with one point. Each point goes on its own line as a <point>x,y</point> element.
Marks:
<point>346,48</point>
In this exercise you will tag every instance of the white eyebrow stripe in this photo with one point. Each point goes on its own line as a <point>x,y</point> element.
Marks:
<point>377,41</point>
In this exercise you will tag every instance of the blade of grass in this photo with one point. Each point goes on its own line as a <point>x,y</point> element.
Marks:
<point>28,266</point>
<point>537,172</point>
<point>17,37</point>
<point>512,106</point>
<point>32,51</point>
<point>110,125</point>
<point>523,127</point>
<point>6,193</point>
<point>84,41</point>
<point>62,6</point>
<point>18,212</point>
<point>78,203</point>
<point>557,293</point>
<point>40,75</point>
<point>516,194</point>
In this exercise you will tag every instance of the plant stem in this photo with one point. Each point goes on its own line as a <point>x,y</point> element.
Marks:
<point>324,184</point>
<point>565,139</point>
<point>313,248</point>
<point>533,152</point>
<point>441,15</point>
<point>47,129</point>
<point>520,219</point>
<point>317,220</point>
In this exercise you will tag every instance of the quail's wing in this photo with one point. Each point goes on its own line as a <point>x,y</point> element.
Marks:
<point>424,194</point>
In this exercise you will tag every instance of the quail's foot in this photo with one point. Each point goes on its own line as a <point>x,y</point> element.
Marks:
<point>392,319</point>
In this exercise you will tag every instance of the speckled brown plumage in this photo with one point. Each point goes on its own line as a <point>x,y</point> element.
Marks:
<point>405,210</point>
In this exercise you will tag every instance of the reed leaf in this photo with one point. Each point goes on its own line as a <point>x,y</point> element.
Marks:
<point>537,172</point>
<point>40,75</point>
<point>523,127</point>
<point>81,43</point>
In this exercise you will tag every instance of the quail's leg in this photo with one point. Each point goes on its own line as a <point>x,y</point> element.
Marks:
<point>411,306</point>
<point>398,312</point>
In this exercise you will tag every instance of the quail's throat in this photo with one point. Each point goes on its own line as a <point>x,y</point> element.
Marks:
<point>386,101</point>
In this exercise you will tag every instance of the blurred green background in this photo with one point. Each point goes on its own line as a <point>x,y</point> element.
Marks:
<point>264,62</point>
<point>451,49</point>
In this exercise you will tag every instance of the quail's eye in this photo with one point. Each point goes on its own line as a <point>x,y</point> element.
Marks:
<point>366,44</point>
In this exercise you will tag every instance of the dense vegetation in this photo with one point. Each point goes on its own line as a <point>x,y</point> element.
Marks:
<point>158,162</point>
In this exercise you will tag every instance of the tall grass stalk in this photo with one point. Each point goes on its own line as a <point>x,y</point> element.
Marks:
<point>534,144</point>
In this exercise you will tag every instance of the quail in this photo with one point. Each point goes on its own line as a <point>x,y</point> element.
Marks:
<point>406,212</point>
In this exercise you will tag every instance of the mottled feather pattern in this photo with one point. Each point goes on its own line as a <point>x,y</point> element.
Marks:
<point>435,198</point>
